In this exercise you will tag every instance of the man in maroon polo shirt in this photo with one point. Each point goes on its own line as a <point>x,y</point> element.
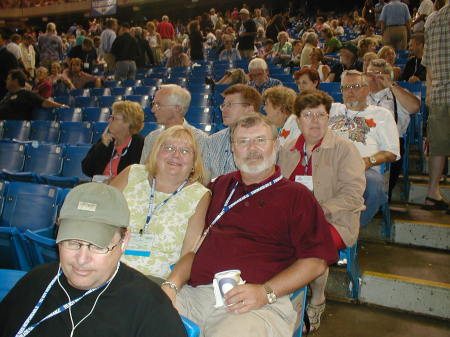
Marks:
<point>271,229</point>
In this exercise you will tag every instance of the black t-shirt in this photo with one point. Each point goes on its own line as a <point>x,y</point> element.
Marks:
<point>248,42</point>
<point>87,58</point>
<point>414,67</point>
<point>19,105</point>
<point>7,61</point>
<point>132,306</point>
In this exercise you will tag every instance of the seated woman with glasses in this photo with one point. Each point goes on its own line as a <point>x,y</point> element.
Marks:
<point>167,203</point>
<point>120,145</point>
<point>332,168</point>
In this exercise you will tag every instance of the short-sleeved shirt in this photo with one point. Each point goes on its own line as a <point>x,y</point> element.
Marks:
<point>50,47</point>
<point>217,156</point>
<point>264,234</point>
<point>289,130</point>
<point>371,130</point>
<point>338,68</point>
<point>87,58</point>
<point>247,42</point>
<point>436,55</point>
<point>334,43</point>
<point>19,105</point>
<point>268,83</point>
<point>395,13</point>
<point>80,80</point>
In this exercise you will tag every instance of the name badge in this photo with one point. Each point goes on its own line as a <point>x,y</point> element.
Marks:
<point>140,245</point>
<point>86,65</point>
<point>305,180</point>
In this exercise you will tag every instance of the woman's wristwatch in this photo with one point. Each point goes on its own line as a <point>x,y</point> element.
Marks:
<point>171,285</point>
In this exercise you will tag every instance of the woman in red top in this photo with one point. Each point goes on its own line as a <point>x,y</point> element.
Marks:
<point>332,168</point>
<point>42,85</point>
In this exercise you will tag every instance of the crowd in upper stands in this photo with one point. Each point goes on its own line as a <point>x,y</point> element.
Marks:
<point>32,3</point>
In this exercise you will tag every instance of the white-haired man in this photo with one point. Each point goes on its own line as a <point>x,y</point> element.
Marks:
<point>50,46</point>
<point>169,106</point>
<point>259,75</point>
<point>89,292</point>
<point>374,132</point>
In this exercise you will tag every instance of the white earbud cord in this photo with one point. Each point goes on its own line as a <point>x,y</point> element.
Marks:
<point>95,303</point>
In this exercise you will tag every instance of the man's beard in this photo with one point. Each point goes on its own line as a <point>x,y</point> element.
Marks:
<point>256,169</point>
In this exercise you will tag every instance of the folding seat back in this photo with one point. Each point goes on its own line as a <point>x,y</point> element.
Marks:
<point>45,131</point>
<point>8,279</point>
<point>99,92</point>
<point>107,101</point>
<point>144,90</point>
<point>141,99</point>
<point>131,83</point>
<point>41,249</point>
<point>68,114</point>
<point>43,114</point>
<point>152,81</point>
<point>13,252</point>
<point>12,155</point>
<point>76,133</point>
<point>96,114</point>
<point>67,100</point>
<point>149,127</point>
<point>29,206</point>
<point>19,130</point>
<point>111,83</point>
<point>197,114</point>
<point>97,130</point>
<point>84,101</point>
<point>116,91</point>
<point>79,92</point>
<point>148,115</point>
<point>73,157</point>
<point>44,159</point>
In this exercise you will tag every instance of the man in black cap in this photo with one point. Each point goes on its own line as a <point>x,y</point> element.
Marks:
<point>92,292</point>
<point>348,60</point>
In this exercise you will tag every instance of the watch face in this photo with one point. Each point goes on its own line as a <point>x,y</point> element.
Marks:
<point>271,298</point>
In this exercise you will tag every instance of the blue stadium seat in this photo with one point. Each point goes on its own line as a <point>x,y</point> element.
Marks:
<point>99,92</point>
<point>8,279</point>
<point>145,90</point>
<point>298,299</point>
<point>12,155</point>
<point>73,157</point>
<point>67,100</point>
<point>148,115</point>
<point>41,249</point>
<point>153,82</point>
<point>19,130</point>
<point>149,127</point>
<point>76,133</point>
<point>68,114</point>
<point>78,92</point>
<point>107,101</point>
<point>29,206</point>
<point>143,100</point>
<point>13,252</point>
<point>283,77</point>
<point>3,188</point>
<point>111,83</point>
<point>200,100</point>
<point>39,159</point>
<point>97,130</point>
<point>131,83</point>
<point>348,257</point>
<point>197,114</point>
<point>45,131</point>
<point>95,114</point>
<point>116,91</point>
<point>330,87</point>
<point>181,81</point>
<point>44,114</point>
<point>192,329</point>
<point>84,101</point>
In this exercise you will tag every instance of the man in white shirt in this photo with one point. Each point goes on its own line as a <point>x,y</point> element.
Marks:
<point>401,102</point>
<point>373,131</point>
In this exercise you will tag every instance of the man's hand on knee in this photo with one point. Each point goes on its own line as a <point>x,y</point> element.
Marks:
<point>246,297</point>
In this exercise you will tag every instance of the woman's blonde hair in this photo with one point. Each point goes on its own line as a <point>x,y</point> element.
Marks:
<point>132,113</point>
<point>281,97</point>
<point>384,50</point>
<point>178,132</point>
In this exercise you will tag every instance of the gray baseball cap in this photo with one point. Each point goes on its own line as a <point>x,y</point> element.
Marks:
<point>93,212</point>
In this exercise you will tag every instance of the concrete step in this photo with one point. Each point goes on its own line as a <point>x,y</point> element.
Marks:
<point>412,226</point>
<point>358,320</point>
<point>410,279</point>
<point>418,192</point>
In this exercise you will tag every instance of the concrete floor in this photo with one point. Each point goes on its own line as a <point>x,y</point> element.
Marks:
<point>357,320</point>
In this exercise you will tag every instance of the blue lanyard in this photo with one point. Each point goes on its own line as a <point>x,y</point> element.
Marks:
<point>25,329</point>
<point>227,207</point>
<point>152,209</point>
<point>118,156</point>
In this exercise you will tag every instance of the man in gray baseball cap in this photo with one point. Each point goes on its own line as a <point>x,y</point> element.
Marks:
<point>89,292</point>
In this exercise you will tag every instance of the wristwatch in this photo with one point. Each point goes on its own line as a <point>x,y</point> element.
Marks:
<point>271,297</point>
<point>373,160</point>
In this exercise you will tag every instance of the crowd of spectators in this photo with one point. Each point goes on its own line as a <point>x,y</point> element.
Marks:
<point>33,3</point>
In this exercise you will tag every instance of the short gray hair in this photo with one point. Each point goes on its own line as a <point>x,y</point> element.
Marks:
<point>353,72</point>
<point>382,63</point>
<point>249,120</point>
<point>257,63</point>
<point>178,95</point>
<point>311,37</point>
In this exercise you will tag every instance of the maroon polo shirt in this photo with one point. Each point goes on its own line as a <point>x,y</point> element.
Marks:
<point>263,234</point>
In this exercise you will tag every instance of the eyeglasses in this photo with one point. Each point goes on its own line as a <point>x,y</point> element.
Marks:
<point>308,115</point>
<point>115,117</point>
<point>158,106</point>
<point>173,149</point>
<point>229,104</point>
<point>352,86</point>
<point>258,141</point>
<point>76,245</point>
